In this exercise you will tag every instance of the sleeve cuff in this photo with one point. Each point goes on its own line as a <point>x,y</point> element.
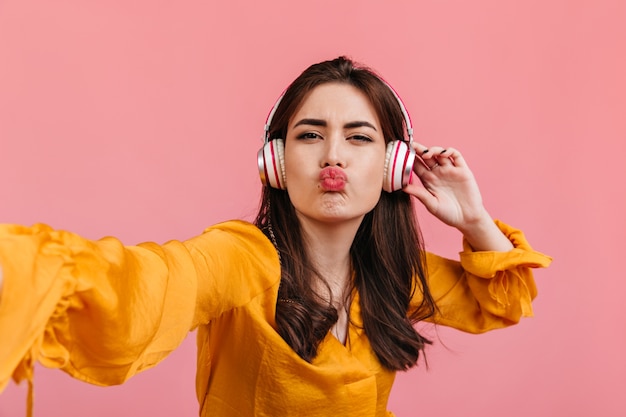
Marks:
<point>486,264</point>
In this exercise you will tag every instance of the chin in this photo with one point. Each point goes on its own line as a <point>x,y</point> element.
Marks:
<point>335,217</point>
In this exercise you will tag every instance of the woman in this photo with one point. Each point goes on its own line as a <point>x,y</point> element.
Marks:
<point>309,311</point>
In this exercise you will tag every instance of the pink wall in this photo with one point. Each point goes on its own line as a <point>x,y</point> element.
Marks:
<point>142,120</point>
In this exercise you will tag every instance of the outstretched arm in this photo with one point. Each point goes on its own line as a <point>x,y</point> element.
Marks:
<point>103,311</point>
<point>449,191</point>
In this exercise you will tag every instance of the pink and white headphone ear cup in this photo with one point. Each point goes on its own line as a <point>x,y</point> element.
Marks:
<point>399,161</point>
<point>271,163</point>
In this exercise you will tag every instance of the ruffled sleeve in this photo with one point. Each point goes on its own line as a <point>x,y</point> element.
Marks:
<point>485,290</point>
<point>102,311</point>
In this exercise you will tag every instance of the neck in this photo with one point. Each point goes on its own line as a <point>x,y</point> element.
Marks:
<point>328,246</point>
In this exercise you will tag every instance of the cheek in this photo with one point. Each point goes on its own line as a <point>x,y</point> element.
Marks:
<point>294,167</point>
<point>300,173</point>
<point>290,159</point>
<point>370,183</point>
<point>375,173</point>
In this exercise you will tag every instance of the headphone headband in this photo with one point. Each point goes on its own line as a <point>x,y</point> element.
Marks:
<point>405,113</point>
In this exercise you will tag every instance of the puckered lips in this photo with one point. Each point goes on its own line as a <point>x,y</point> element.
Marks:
<point>333,179</point>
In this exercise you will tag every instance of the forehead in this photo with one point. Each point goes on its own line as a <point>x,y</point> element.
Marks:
<point>338,101</point>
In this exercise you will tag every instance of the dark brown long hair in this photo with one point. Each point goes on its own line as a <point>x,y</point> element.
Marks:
<point>387,252</point>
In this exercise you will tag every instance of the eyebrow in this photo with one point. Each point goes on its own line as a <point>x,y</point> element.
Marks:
<point>349,125</point>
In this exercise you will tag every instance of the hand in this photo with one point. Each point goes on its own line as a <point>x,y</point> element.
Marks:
<point>449,191</point>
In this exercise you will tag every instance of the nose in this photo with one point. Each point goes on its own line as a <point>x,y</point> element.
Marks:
<point>333,152</point>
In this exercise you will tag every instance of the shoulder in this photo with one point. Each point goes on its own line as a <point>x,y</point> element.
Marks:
<point>238,249</point>
<point>240,236</point>
<point>235,227</point>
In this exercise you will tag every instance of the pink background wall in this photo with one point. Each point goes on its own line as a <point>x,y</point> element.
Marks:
<point>141,119</point>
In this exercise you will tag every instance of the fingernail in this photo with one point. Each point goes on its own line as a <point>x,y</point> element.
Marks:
<point>426,151</point>
<point>444,151</point>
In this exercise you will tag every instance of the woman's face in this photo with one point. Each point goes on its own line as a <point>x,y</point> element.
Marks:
<point>334,155</point>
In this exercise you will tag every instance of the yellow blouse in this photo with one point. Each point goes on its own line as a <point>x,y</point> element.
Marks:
<point>102,312</point>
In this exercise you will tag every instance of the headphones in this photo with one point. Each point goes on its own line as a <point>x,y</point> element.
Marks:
<point>398,160</point>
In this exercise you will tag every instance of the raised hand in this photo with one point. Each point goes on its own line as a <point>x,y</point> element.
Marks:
<point>449,191</point>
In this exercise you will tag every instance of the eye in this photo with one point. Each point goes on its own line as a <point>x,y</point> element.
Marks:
<point>309,135</point>
<point>360,138</point>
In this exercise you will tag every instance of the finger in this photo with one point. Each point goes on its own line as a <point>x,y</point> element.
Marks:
<point>426,155</point>
<point>437,156</point>
<point>441,155</point>
<point>420,166</point>
<point>448,157</point>
<point>419,148</point>
<point>422,194</point>
<point>455,157</point>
